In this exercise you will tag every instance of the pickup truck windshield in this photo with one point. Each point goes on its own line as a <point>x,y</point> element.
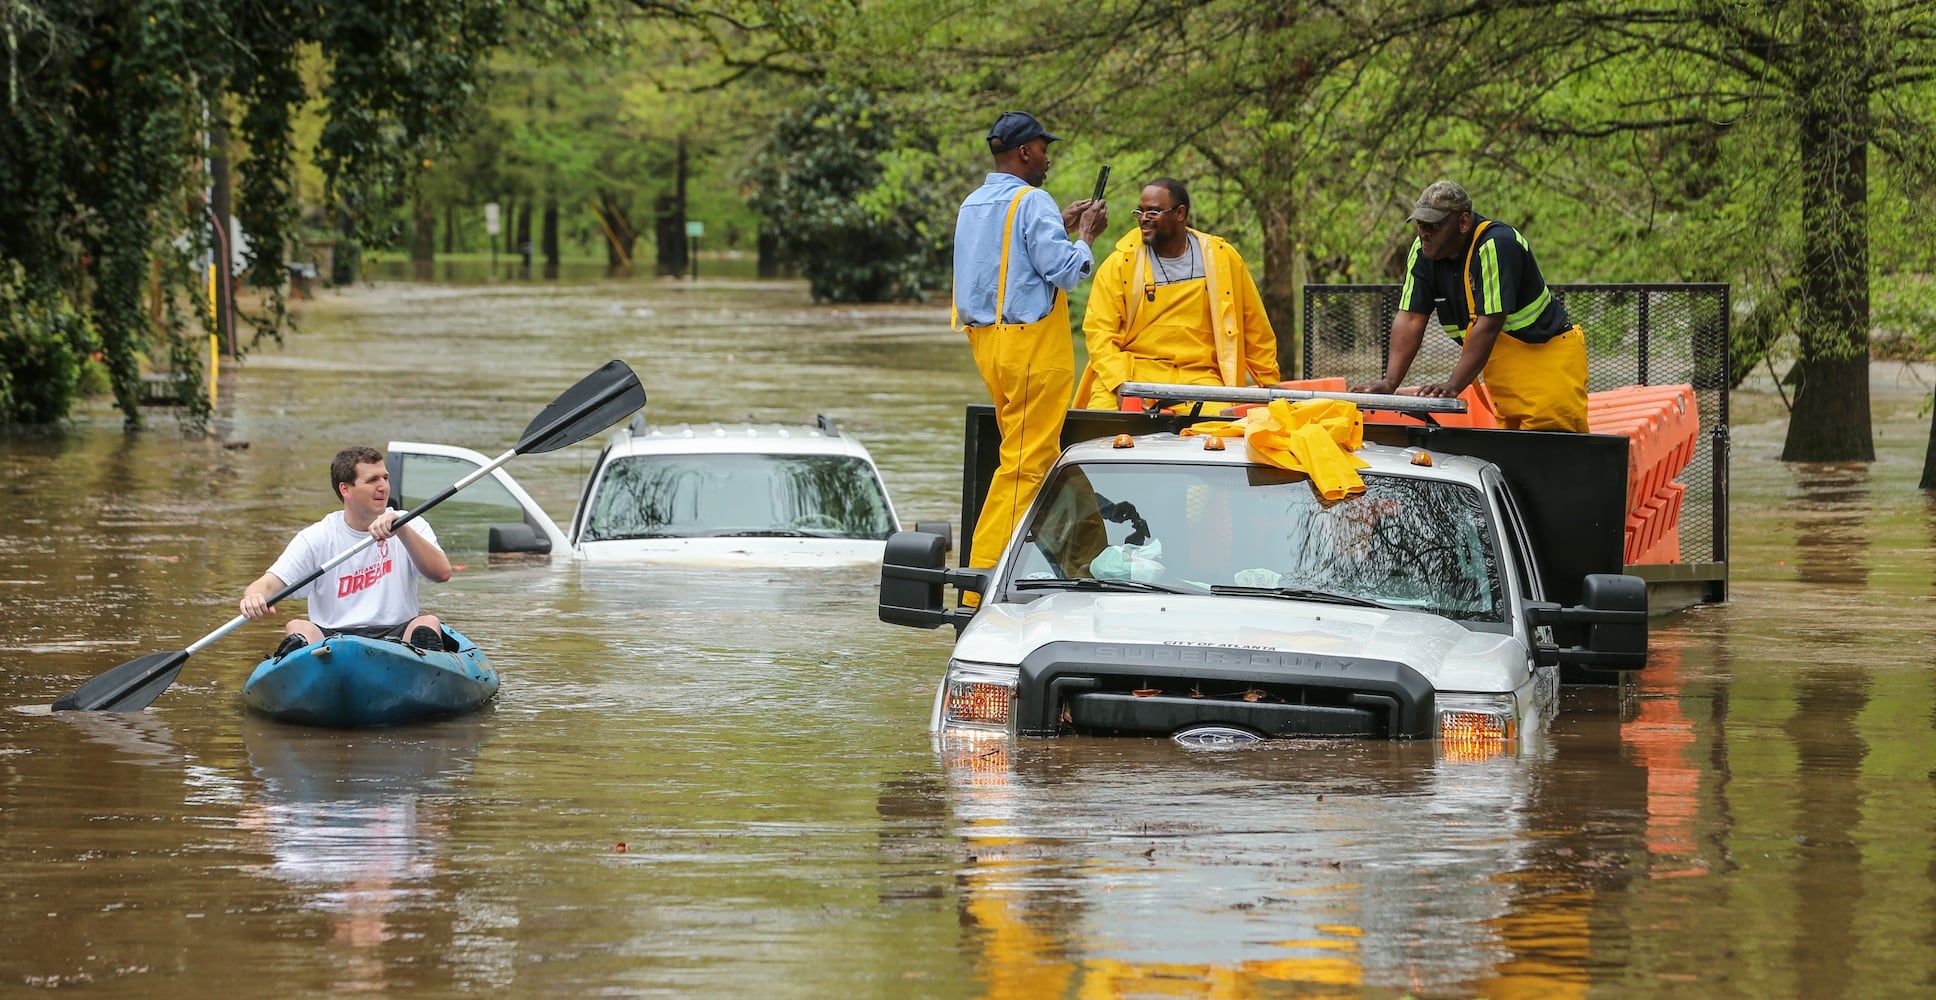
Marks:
<point>1404,542</point>
<point>689,496</point>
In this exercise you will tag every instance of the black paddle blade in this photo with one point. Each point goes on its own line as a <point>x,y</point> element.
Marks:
<point>598,401</point>
<point>130,687</point>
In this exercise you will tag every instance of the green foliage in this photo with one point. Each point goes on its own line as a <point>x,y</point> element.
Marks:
<point>112,109</point>
<point>856,194</point>
<point>45,343</point>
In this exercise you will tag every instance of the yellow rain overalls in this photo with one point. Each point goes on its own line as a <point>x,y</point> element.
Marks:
<point>1533,387</point>
<point>1209,332</point>
<point>1029,369</point>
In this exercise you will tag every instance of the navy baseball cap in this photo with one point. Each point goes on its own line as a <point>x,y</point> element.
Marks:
<point>1014,128</point>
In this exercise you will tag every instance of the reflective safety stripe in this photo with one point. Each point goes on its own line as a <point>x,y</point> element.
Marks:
<point>1525,317</point>
<point>1411,261</point>
<point>1490,302</point>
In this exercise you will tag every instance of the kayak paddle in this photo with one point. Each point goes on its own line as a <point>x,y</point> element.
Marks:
<point>598,401</point>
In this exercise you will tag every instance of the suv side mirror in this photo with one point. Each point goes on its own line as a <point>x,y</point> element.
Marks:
<point>1607,631</point>
<point>913,572</point>
<point>516,537</point>
<point>942,528</point>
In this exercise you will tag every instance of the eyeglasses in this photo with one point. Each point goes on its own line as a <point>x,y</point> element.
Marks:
<point>1139,214</point>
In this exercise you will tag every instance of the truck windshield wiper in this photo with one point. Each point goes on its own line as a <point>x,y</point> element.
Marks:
<point>1301,594</point>
<point>760,533</point>
<point>1090,583</point>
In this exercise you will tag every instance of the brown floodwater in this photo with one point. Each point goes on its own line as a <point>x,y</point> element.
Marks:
<point>720,783</point>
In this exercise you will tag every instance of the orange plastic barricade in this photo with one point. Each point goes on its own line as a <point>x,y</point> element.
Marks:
<point>1662,424</point>
<point>1656,524</point>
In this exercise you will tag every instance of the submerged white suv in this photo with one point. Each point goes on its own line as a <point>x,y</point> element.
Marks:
<point>730,494</point>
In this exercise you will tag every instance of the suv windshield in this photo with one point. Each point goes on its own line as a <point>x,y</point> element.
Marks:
<point>686,496</point>
<point>1255,530</point>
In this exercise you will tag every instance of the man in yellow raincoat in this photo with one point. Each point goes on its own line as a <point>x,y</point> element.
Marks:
<point>1173,305</point>
<point>1481,279</point>
<point>1016,257</point>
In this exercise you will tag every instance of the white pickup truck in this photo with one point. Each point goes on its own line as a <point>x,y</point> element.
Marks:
<point>1158,587</point>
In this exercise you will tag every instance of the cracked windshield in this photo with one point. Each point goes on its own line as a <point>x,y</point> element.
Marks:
<point>919,499</point>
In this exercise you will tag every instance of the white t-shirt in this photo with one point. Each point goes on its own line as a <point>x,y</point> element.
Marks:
<point>375,587</point>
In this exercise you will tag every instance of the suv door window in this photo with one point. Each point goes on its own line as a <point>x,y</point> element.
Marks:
<point>464,521</point>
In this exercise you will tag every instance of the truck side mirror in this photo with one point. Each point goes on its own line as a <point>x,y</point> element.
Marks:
<point>913,571</point>
<point>1607,631</point>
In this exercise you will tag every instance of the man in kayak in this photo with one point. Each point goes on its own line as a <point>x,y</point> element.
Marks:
<point>373,594</point>
<point>1016,257</point>
<point>1481,279</point>
<point>1173,305</point>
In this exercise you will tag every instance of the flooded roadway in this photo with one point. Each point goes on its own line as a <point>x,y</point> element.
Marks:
<point>713,783</point>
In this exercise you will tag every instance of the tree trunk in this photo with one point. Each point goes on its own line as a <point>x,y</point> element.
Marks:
<point>769,251</point>
<point>671,222</point>
<point>1279,288</point>
<point>423,243</point>
<point>450,228</point>
<point>621,238</point>
<point>348,258</point>
<point>551,236</point>
<point>524,239</point>
<point>1929,458</point>
<point>1830,420</point>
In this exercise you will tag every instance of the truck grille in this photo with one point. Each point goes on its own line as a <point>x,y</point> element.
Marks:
<point>1135,689</point>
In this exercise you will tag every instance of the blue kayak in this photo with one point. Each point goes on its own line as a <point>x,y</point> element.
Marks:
<point>349,681</point>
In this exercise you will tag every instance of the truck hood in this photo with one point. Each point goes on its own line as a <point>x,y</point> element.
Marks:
<point>1451,657</point>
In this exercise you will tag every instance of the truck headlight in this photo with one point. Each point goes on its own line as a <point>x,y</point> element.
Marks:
<point>1477,718</point>
<point>979,695</point>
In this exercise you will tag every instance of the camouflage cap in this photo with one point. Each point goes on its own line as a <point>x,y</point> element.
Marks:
<point>1438,200</point>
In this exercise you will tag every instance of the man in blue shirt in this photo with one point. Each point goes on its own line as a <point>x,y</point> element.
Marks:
<point>1015,256</point>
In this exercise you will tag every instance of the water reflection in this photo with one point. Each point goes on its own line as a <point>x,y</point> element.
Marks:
<point>1110,867</point>
<point>137,737</point>
<point>357,823</point>
<point>1831,526</point>
<point>1829,805</point>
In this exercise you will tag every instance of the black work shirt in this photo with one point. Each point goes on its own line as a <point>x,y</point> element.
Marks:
<point>1505,281</point>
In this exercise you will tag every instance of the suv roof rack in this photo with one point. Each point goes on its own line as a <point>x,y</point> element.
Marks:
<point>1166,393</point>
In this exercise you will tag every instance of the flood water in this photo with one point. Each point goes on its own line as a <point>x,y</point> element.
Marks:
<point>720,783</point>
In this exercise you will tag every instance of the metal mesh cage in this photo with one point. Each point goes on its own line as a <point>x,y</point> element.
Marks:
<point>1635,334</point>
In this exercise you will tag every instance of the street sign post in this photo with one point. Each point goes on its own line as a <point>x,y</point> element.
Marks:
<point>694,230</point>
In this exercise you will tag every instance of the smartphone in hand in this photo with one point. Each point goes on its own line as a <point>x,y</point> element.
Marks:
<point>1102,181</point>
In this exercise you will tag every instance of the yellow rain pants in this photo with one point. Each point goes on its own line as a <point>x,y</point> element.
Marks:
<point>1539,387</point>
<point>1534,387</point>
<point>1030,371</point>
